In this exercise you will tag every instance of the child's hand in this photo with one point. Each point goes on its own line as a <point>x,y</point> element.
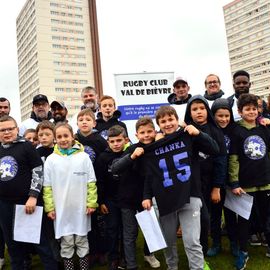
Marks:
<point>137,152</point>
<point>215,195</point>
<point>146,204</point>
<point>182,124</point>
<point>30,205</point>
<point>264,121</point>
<point>51,215</point>
<point>238,191</point>
<point>192,130</point>
<point>159,136</point>
<point>90,210</point>
<point>103,209</point>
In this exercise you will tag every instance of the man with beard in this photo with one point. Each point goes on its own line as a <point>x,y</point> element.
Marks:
<point>40,112</point>
<point>4,106</point>
<point>241,85</point>
<point>89,97</point>
<point>59,112</point>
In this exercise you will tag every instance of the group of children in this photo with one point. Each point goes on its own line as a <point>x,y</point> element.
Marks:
<point>187,169</point>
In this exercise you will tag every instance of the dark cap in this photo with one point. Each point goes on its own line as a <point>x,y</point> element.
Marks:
<point>56,103</point>
<point>40,97</point>
<point>180,80</point>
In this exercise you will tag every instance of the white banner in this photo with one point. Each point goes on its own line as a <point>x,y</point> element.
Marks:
<point>140,94</point>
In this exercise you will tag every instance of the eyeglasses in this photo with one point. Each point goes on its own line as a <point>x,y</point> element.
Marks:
<point>7,130</point>
<point>212,82</point>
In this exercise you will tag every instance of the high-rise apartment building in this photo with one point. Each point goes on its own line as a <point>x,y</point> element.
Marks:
<point>248,36</point>
<point>58,52</point>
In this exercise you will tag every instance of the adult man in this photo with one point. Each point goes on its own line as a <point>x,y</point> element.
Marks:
<point>90,98</point>
<point>40,112</point>
<point>212,86</point>
<point>4,106</point>
<point>241,85</point>
<point>59,111</point>
<point>180,93</point>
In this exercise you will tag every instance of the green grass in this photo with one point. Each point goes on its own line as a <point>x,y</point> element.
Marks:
<point>224,261</point>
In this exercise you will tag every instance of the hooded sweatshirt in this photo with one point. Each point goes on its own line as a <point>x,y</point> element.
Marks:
<point>213,167</point>
<point>21,171</point>
<point>102,126</point>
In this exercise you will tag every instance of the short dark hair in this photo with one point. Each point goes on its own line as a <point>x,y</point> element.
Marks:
<point>3,99</point>
<point>143,121</point>
<point>116,131</point>
<point>241,73</point>
<point>165,110</point>
<point>246,99</point>
<point>6,118</point>
<point>45,124</point>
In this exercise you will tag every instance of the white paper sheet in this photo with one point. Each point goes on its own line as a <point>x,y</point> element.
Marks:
<point>151,230</point>
<point>27,227</point>
<point>241,205</point>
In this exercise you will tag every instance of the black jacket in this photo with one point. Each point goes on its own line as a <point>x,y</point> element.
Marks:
<point>102,126</point>
<point>172,99</point>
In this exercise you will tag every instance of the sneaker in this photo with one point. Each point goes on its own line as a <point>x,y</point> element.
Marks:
<point>152,260</point>
<point>213,251</point>
<point>254,240</point>
<point>122,264</point>
<point>268,252</point>
<point>263,240</point>
<point>206,266</point>
<point>241,260</point>
<point>2,263</point>
<point>234,249</point>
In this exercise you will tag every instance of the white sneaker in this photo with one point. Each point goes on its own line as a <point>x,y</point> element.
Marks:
<point>2,262</point>
<point>152,260</point>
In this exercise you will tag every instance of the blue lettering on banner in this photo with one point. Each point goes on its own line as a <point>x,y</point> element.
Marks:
<point>134,112</point>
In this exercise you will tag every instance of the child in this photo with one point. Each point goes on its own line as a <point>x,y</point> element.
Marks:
<point>108,184</point>
<point>31,135</point>
<point>224,118</point>
<point>93,144</point>
<point>130,191</point>
<point>212,167</point>
<point>173,177</point>
<point>70,195</point>
<point>21,182</point>
<point>249,169</point>
<point>46,139</point>
<point>108,116</point>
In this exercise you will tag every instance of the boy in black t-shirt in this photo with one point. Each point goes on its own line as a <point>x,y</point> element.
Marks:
<point>21,175</point>
<point>173,177</point>
<point>249,169</point>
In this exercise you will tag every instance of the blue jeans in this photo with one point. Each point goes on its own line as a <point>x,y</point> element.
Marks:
<point>18,250</point>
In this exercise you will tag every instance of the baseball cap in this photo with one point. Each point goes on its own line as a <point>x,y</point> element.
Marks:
<point>40,97</point>
<point>180,80</point>
<point>56,103</point>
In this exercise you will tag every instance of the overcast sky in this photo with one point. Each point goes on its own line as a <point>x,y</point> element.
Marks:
<point>186,37</point>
